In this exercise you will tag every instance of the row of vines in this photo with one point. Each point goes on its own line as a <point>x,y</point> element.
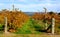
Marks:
<point>18,19</point>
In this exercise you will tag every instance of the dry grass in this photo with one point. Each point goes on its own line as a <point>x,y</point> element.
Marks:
<point>28,35</point>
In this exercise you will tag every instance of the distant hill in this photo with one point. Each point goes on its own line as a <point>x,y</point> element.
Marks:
<point>31,13</point>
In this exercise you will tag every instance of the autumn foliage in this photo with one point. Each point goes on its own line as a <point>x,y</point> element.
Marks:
<point>15,18</point>
<point>48,17</point>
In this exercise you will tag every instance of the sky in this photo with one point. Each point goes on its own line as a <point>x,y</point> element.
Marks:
<point>31,5</point>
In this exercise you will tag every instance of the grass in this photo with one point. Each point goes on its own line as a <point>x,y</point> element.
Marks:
<point>30,27</point>
<point>28,35</point>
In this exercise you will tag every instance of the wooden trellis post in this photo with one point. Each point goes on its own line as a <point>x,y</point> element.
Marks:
<point>45,18</point>
<point>5,24</point>
<point>13,7</point>
<point>53,24</point>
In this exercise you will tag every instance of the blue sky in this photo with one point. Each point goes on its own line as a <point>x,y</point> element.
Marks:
<point>31,5</point>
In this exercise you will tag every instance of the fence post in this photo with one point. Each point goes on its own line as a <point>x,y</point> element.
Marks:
<point>53,24</point>
<point>5,24</point>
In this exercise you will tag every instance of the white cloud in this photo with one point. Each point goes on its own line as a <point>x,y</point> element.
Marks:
<point>22,0</point>
<point>31,7</point>
<point>1,4</point>
<point>6,1</point>
<point>34,5</point>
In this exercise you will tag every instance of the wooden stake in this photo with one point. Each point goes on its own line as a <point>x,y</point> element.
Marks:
<point>13,7</point>
<point>45,18</point>
<point>53,24</point>
<point>5,24</point>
